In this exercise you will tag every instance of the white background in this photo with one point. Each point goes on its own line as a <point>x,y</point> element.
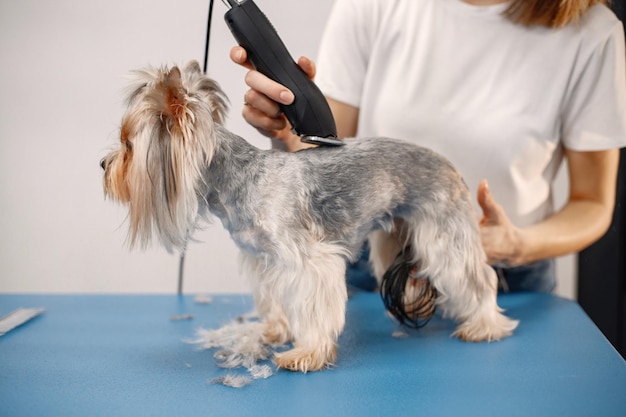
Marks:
<point>62,77</point>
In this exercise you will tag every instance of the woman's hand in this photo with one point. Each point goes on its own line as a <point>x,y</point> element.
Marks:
<point>261,103</point>
<point>502,240</point>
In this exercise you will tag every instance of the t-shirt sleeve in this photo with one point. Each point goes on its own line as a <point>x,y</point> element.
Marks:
<point>594,114</point>
<point>345,50</point>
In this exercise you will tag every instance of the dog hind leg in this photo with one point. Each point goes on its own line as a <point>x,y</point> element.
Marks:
<point>384,249</point>
<point>486,323</point>
<point>450,253</point>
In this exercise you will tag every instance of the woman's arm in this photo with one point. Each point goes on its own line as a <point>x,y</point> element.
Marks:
<point>346,118</point>
<point>584,219</point>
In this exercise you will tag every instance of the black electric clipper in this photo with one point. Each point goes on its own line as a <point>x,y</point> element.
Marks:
<point>309,114</point>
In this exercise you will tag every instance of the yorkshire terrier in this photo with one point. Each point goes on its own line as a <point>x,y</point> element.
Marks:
<point>298,218</point>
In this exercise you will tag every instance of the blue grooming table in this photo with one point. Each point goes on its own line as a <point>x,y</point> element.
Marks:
<point>123,356</point>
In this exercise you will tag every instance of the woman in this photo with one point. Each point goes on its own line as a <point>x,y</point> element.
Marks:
<point>504,89</point>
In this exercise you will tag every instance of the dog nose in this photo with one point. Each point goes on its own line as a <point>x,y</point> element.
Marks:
<point>103,164</point>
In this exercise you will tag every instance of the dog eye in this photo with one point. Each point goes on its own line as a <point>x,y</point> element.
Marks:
<point>129,145</point>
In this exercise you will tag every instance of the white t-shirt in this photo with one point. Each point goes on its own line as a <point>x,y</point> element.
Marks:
<point>498,99</point>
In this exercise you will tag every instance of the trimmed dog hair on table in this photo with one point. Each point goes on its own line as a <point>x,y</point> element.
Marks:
<point>299,217</point>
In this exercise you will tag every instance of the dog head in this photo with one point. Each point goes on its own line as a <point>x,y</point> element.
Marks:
<point>167,138</point>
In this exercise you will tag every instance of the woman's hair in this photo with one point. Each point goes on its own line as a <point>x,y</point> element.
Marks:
<point>551,13</point>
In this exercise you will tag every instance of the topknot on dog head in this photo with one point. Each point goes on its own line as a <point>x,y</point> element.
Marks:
<point>206,89</point>
<point>175,94</point>
<point>176,90</point>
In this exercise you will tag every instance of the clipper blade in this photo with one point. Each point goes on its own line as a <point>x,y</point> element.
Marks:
<point>316,140</point>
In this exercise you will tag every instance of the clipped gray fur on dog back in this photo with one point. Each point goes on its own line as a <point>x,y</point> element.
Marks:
<point>332,192</point>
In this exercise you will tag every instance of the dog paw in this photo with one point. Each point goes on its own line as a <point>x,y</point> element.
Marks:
<point>276,336</point>
<point>276,332</point>
<point>305,360</point>
<point>486,330</point>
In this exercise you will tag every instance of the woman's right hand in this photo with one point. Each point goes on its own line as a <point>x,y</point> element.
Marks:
<point>261,102</point>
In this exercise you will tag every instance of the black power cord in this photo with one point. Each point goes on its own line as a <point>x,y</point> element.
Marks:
<point>416,308</point>
<point>208,37</point>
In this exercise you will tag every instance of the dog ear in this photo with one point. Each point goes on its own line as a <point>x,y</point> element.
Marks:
<point>175,94</point>
<point>192,67</point>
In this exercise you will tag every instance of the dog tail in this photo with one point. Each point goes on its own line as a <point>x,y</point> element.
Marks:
<point>411,299</point>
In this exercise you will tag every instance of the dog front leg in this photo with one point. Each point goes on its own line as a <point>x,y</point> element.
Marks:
<point>315,304</point>
<point>275,326</point>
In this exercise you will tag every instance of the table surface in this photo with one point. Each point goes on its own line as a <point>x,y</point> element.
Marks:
<point>118,355</point>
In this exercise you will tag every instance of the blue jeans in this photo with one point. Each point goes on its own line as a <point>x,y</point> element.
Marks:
<point>534,277</point>
<point>538,276</point>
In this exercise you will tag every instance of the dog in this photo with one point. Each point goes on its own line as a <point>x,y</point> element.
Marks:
<point>298,218</point>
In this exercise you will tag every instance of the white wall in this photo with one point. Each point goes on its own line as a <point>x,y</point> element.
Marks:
<point>62,73</point>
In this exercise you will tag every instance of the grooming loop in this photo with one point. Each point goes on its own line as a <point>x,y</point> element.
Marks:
<point>407,296</point>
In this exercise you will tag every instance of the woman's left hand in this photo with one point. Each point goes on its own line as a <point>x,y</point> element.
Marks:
<point>502,240</point>
<point>583,219</point>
